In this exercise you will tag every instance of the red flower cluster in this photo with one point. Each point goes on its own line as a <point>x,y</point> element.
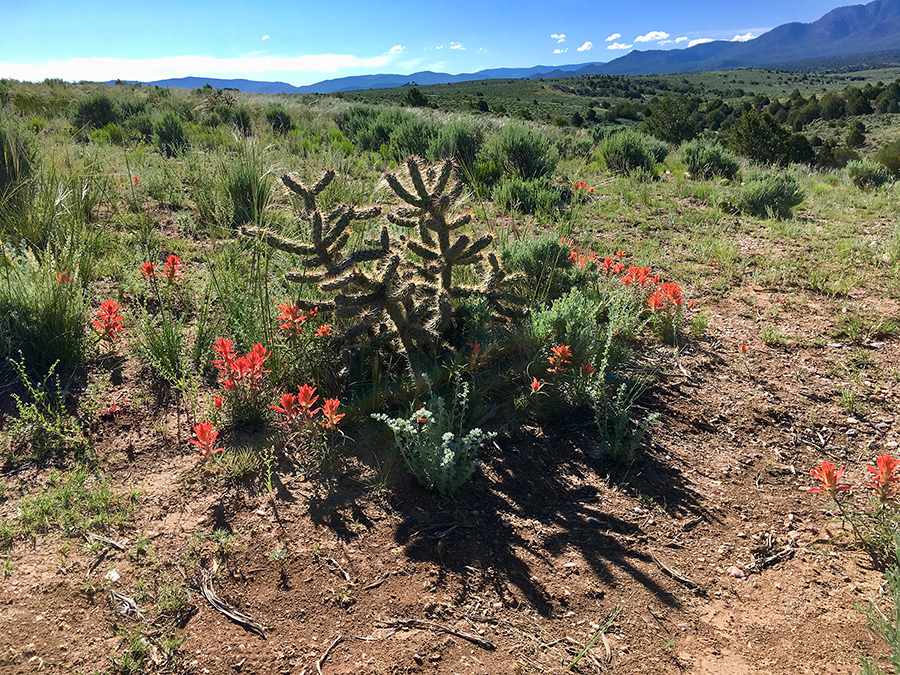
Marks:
<point>300,406</point>
<point>561,359</point>
<point>885,477</point>
<point>108,323</point>
<point>292,318</point>
<point>581,185</point>
<point>206,440</point>
<point>640,276</point>
<point>148,271</point>
<point>246,371</point>
<point>63,278</point>
<point>172,269</point>
<point>667,296</point>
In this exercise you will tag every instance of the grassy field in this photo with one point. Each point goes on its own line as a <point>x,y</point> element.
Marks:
<point>569,385</point>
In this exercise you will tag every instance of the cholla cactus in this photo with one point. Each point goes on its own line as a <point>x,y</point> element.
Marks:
<point>382,294</point>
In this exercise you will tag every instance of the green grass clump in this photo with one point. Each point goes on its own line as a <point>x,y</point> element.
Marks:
<point>707,159</point>
<point>527,196</point>
<point>769,194</point>
<point>460,141</point>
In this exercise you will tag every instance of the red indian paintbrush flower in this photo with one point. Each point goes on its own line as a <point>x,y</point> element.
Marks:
<point>206,440</point>
<point>324,330</point>
<point>292,318</point>
<point>108,323</point>
<point>306,400</point>
<point>63,278</point>
<point>288,407</point>
<point>885,478</point>
<point>535,386</point>
<point>148,271</point>
<point>587,369</point>
<point>476,359</point>
<point>329,411</point>
<point>828,475</point>
<point>561,359</point>
<point>172,268</point>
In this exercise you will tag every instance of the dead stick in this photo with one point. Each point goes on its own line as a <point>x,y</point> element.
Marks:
<point>324,656</point>
<point>484,643</point>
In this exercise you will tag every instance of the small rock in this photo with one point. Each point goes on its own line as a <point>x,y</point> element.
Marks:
<point>112,575</point>
<point>736,572</point>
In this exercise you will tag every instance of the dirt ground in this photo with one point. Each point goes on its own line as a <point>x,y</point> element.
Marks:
<point>352,572</point>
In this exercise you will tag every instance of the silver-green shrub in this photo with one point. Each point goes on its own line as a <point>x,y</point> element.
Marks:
<point>432,442</point>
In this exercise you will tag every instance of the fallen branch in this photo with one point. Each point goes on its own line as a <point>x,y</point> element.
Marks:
<point>759,564</point>
<point>324,656</point>
<point>676,575</point>
<point>125,606</point>
<point>484,643</point>
<point>238,617</point>
<point>334,563</point>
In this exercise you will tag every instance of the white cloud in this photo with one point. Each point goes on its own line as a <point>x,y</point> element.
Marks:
<point>265,37</point>
<point>665,42</point>
<point>680,40</point>
<point>457,45</point>
<point>652,36</point>
<point>614,36</point>
<point>743,38</point>
<point>284,68</point>
<point>481,50</point>
<point>586,46</point>
<point>559,37</point>
<point>396,49</point>
<point>439,47</point>
<point>619,45</point>
<point>699,41</point>
<point>254,53</point>
<point>560,51</point>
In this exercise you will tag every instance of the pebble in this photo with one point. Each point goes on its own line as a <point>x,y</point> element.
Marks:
<point>736,572</point>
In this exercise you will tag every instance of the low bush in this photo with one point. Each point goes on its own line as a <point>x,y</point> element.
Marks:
<point>432,442</point>
<point>769,194</point>
<point>708,159</point>
<point>169,133</point>
<point>628,151</point>
<point>16,165</point>
<point>889,156</point>
<point>111,134</point>
<point>279,118</point>
<point>523,152</point>
<point>866,174</point>
<point>460,141</point>
<point>94,111</point>
<point>549,270</point>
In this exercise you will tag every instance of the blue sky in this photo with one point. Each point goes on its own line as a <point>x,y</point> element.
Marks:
<point>305,42</point>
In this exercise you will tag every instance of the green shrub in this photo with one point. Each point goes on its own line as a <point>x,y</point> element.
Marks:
<point>614,410</point>
<point>169,133</point>
<point>629,151</point>
<point>140,126</point>
<point>889,156</point>
<point>94,111</point>
<point>707,159</point>
<point>433,444</point>
<point>240,120</point>
<point>546,264</point>
<point>279,118</point>
<point>527,196</point>
<point>411,138</point>
<point>761,138</point>
<point>111,134</point>
<point>459,140</point>
<point>572,320</point>
<point>769,194</point>
<point>866,174</point>
<point>519,150</point>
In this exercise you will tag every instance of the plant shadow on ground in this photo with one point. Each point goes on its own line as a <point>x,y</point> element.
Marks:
<point>544,476</point>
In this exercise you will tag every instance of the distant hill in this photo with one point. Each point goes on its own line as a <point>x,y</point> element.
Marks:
<point>858,34</point>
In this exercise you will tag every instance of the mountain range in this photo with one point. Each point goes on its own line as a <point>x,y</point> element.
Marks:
<point>855,31</point>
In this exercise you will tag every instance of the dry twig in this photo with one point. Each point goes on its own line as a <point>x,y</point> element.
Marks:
<point>484,643</point>
<point>233,614</point>
<point>324,656</point>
